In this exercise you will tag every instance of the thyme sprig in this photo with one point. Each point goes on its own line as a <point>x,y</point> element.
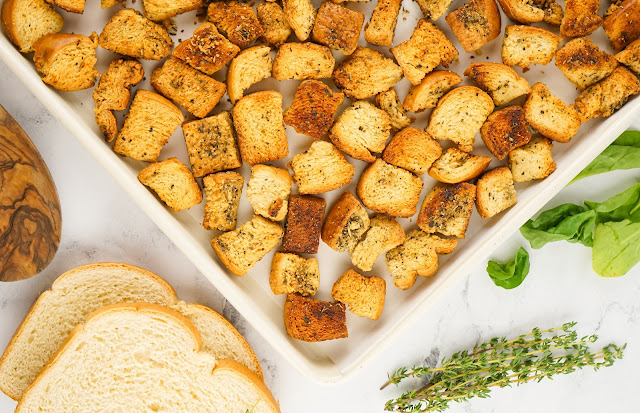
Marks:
<point>500,363</point>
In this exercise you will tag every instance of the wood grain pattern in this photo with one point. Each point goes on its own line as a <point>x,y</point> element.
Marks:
<point>30,220</point>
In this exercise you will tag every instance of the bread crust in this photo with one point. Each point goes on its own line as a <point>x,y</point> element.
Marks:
<point>312,320</point>
<point>256,380</point>
<point>475,23</point>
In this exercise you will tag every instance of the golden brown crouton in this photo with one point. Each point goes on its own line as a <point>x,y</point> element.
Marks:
<point>523,45</point>
<point>523,11</point>
<point>455,166</point>
<point>553,12</point>
<point>301,15</point>
<point>384,234</point>
<point>173,182</point>
<point>249,67</point>
<point>258,121</point>
<point>112,93</point>
<point>149,124</point>
<point>495,192</point>
<point>382,26</point>
<point>211,144</point>
<point>475,23</point>
<point>504,130</point>
<point>630,56</point>
<point>580,18</point>
<point>291,273</point>
<point>304,223</point>
<point>25,21</point>
<point>313,108</point>
<point>549,115</point>
<point>159,11</point>
<point>498,80</point>
<point>427,48</point>
<point>268,191</point>
<point>387,189</point>
<point>73,6</point>
<point>390,103</point>
<point>303,61</point>
<point>623,25</point>
<point>363,295</point>
<point>608,95</point>
<point>532,161</point>
<point>366,73</point>
<point>418,255</point>
<point>459,116</point>
<point>241,249</point>
<point>346,223</point>
<point>235,20</point>
<point>186,86</point>
<point>222,191</point>
<point>360,130</point>
<point>434,9</point>
<point>312,320</point>
<point>413,150</point>
<point>131,34</point>
<point>430,90</point>
<point>583,63</point>
<point>337,27</point>
<point>207,50</point>
<point>321,168</point>
<point>276,29</point>
<point>447,210</point>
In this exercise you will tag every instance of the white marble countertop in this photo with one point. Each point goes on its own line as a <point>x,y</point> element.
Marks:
<point>101,223</point>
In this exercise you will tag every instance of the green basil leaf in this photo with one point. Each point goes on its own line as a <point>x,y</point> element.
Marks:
<point>623,153</point>
<point>625,205</point>
<point>512,273</point>
<point>567,222</point>
<point>616,248</point>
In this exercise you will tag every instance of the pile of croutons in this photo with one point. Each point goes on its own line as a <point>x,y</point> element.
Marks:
<point>254,131</point>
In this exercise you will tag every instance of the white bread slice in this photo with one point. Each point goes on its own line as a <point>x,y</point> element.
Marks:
<point>142,357</point>
<point>79,292</point>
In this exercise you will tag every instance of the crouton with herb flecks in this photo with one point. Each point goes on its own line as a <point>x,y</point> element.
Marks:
<point>321,168</point>
<point>207,50</point>
<point>159,11</point>
<point>382,25</point>
<point>222,191</point>
<point>390,103</point>
<point>346,223</point>
<point>549,115</point>
<point>583,63</point>
<point>580,18</point>
<point>291,273</point>
<point>532,161</point>
<point>366,73</point>
<point>630,57</point>
<point>623,25</point>
<point>498,80</point>
<point>268,191</point>
<point>430,90</point>
<point>173,182</point>
<point>249,67</point>
<point>523,11</point>
<point>523,45</point>
<point>312,110</point>
<point>276,29</point>
<point>447,209</point>
<point>301,15</point>
<point>475,24</point>
<point>303,61</point>
<point>608,95</point>
<point>337,27</point>
<point>504,130</point>
<point>235,20</point>
<point>434,9</point>
<point>312,320</point>
<point>131,34</point>
<point>495,192</point>
<point>25,21</point>
<point>413,150</point>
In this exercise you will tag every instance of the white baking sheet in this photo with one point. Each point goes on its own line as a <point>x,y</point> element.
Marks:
<point>334,360</point>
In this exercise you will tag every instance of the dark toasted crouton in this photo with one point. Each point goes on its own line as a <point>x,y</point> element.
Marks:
<point>430,90</point>
<point>523,45</point>
<point>447,210</point>
<point>207,50</point>
<point>304,223</point>
<point>549,115</point>
<point>413,150</point>
<point>382,25</point>
<point>583,63</point>
<point>312,320</point>
<point>553,12</point>
<point>495,192</point>
<point>337,27</point>
<point>623,25</point>
<point>455,166</point>
<point>608,95</point>
<point>580,18</point>
<point>346,223</point>
<point>235,20</point>
<point>365,73</point>
<point>532,161</point>
<point>504,130</point>
<point>475,23</point>
<point>313,108</point>
<point>363,295</point>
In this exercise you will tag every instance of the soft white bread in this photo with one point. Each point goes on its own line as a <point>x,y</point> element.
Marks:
<point>79,292</point>
<point>142,357</point>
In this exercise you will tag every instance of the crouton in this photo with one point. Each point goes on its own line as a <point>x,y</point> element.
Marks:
<point>304,223</point>
<point>73,6</point>
<point>186,86</point>
<point>258,121</point>
<point>312,320</point>
<point>321,168</point>
<point>455,166</point>
<point>447,210</point>
<point>413,150</point>
<point>235,20</point>
<point>366,73</point>
<point>360,130</point>
<point>475,24</point>
<point>613,6</point>
<point>159,11</point>
<point>523,11</point>
<point>384,234</point>
<point>532,161</point>
<point>239,250</point>
<point>207,50</point>
<point>459,116</point>
<point>66,61</point>
<point>276,29</point>
<point>337,27</point>
<point>498,80</point>
<point>549,115</point>
<point>131,34</point>
<point>112,93</point>
<point>524,45</point>
<point>312,110</point>
<point>580,18</point>
<point>608,95</point>
<point>291,273</point>
<point>301,15</point>
<point>504,130</point>
<point>553,12</point>
<point>387,189</point>
<point>630,56</point>
<point>495,192</point>
<point>434,9</point>
<point>149,124</point>
<point>417,255</point>
<point>346,223</point>
<point>249,67</point>
<point>222,192</point>
<point>382,25</point>
<point>363,295</point>
<point>211,144</point>
<point>25,21</point>
<point>430,90</point>
<point>583,63</point>
<point>427,48</point>
<point>173,182</point>
<point>303,61</point>
<point>268,191</point>
<point>623,25</point>
<point>390,103</point>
